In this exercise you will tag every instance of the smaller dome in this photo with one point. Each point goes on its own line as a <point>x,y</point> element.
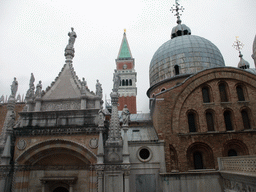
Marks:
<point>242,63</point>
<point>179,30</point>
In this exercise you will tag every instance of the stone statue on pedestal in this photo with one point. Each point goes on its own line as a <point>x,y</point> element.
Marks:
<point>83,86</point>
<point>30,92</point>
<point>98,89</point>
<point>39,90</point>
<point>125,115</point>
<point>116,80</point>
<point>72,38</point>
<point>14,87</point>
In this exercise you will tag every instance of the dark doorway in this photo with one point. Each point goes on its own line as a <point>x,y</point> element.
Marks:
<point>198,160</point>
<point>60,189</point>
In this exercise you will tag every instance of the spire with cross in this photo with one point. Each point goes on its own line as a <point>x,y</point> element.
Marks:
<point>177,8</point>
<point>238,45</point>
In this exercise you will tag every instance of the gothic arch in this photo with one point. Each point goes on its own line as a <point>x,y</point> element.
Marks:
<point>40,150</point>
<point>194,81</point>
<point>237,145</point>
<point>206,152</point>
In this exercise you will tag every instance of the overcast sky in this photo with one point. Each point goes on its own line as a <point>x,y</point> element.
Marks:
<point>33,36</point>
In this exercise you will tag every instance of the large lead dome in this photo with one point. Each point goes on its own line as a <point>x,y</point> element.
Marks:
<point>184,54</point>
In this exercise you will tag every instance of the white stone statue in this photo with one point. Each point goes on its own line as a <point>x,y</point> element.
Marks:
<point>30,92</point>
<point>101,118</point>
<point>14,87</point>
<point>83,86</point>
<point>116,80</point>
<point>125,115</point>
<point>39,90</point>
<point>72,38</point>
<point>98,89</point>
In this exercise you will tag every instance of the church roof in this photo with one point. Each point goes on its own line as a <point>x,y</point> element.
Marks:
<point>66,85</point>
<point>124,51</point>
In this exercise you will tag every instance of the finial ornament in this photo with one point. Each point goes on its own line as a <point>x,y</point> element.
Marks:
<point>124,30</point>
<point>177,9</point>
<point>238,45</point>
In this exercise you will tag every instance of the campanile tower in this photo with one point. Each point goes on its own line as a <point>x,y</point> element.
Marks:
<point>128,77</point>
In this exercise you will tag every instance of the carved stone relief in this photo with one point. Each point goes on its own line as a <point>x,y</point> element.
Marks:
<point>62,105</point>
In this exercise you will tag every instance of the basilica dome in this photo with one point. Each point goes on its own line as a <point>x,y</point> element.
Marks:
<point>184,54</point>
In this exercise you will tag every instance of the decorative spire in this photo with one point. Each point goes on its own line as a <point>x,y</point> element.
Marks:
<point>238,45</point>
<point>124,51</point>
<point>180,29</point>
<point>177,9</point>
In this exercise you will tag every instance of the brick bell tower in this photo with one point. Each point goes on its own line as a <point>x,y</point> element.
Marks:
<point>128,77</point>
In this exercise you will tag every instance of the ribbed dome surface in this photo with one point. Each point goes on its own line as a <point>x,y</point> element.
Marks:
<point>188,53</point>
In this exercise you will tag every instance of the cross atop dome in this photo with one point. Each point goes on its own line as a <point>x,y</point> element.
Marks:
<point>238,45</point>
<point>177,9</point>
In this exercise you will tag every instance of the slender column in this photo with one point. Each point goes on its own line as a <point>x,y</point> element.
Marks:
<point>100,180</point>
<point>126,181</point>
<point>71,187</point>
<point>43,186</point>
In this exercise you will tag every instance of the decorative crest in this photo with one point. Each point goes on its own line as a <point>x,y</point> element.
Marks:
<point>238,45</point>
<point>177,9</point>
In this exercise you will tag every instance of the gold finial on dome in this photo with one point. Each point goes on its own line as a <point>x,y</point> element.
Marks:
<point>177,9</point>
<point>238,45</point>
<point>124,30</point>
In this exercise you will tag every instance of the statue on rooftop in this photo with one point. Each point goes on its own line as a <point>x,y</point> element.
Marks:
<point>72,38</point>
<point>30,92</point>
<point>98,89</point>
<point>14,87</point>
<point>125,115</point>
<point>39,90</point>
<point>83,86</point>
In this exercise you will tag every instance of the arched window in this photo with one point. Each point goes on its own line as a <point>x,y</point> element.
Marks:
<point>232,152</point>
<point>210,121</point>
<point>223,92</point>
<point>130,82</point>
<point>176,70</point>
<point>240,93</point>
<point>123,82</point>
<point>228,122</point>
<point>246,120</point>
<point>192,122</point>
<point>206,94</point>
<point>162,89</point>
<point>198,160</point>
<point>126,82</point>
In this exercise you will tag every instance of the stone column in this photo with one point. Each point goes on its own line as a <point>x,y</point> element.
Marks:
<point>100,175</point>
<point>126,181</point>
<point>38,104</point>
<point>126,154</point>
<point>83,102</point>
<point>71,187</point>
<point>43,186</point>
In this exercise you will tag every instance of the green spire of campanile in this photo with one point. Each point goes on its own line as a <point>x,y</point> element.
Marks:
<point>124,51</point>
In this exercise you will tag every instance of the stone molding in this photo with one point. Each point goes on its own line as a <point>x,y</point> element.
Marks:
<point>55,131</point>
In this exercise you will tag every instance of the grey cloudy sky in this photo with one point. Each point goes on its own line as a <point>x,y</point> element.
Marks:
<point>33,36</point>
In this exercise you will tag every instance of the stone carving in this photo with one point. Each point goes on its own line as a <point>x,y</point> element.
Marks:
<point>64,105</point>
<point>14,87</point>
<point>11,121</point>
<point>98,89</point>
<point>101,118</point>
<point>125,116</point>
<point>93,143</point>
<point>30,92</point>
<point>116,80</point>
<point>21,145</point>
<point>18,98</point>
<point>39,90</point>
<point>72,37</point>
<point>83,86</point>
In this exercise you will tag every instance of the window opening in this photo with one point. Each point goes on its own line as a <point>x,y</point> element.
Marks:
<point>198,160</point>
<point>210,121</point>
<point>60,189</point>
<point>246,120</point>
<point>123,82</point>
<point>177,70</point>
<point>223,92</point>
<point>240,93</point>
<point>228,123</point>
<point>206,96</point>
<point>191,122</point>
<point>126,82</point>
<point>232,152</point>
<point>130,82</point>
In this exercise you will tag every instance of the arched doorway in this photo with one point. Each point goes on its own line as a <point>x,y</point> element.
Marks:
<point>60,189</point>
